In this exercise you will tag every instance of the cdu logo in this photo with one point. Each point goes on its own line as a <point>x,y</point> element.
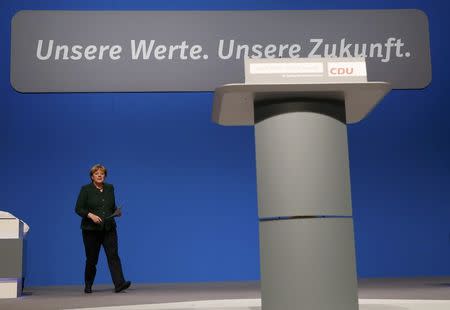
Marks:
<point>344,69</point>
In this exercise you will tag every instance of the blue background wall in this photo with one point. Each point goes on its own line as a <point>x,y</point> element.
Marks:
<point>188,185</point>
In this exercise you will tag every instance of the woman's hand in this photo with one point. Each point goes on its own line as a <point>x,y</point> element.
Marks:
<point>94,218</point>
<point>119,212</point>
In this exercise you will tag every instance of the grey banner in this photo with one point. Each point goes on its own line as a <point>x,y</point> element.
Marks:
<point>141,51</point>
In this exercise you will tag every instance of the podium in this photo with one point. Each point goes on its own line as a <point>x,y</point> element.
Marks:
<point>306,233</point>
<point>12,250</point>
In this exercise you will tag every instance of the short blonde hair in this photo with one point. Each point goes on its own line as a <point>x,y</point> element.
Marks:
<point>98,167</point>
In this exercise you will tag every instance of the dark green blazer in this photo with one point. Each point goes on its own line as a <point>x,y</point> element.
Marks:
<point>102,204</point>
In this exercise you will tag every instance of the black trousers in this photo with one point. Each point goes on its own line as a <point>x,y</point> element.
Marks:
<point>93,240</point>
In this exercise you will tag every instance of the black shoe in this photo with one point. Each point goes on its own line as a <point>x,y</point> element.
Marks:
<point>122,287</point>
<point>88,289</point>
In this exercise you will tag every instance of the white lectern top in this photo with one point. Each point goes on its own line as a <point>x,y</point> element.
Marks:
<point>234,103</point>
<point>12,227</point>
<point>285,79</point>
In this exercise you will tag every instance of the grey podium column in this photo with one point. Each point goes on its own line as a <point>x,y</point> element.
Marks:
<point>304,203</point>
<point>304,206</point>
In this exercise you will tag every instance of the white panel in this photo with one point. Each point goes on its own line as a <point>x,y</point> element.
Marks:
<point>9,288</point>
<point>10,229</point>
<point>291,67</point>
<point>305,70</point>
